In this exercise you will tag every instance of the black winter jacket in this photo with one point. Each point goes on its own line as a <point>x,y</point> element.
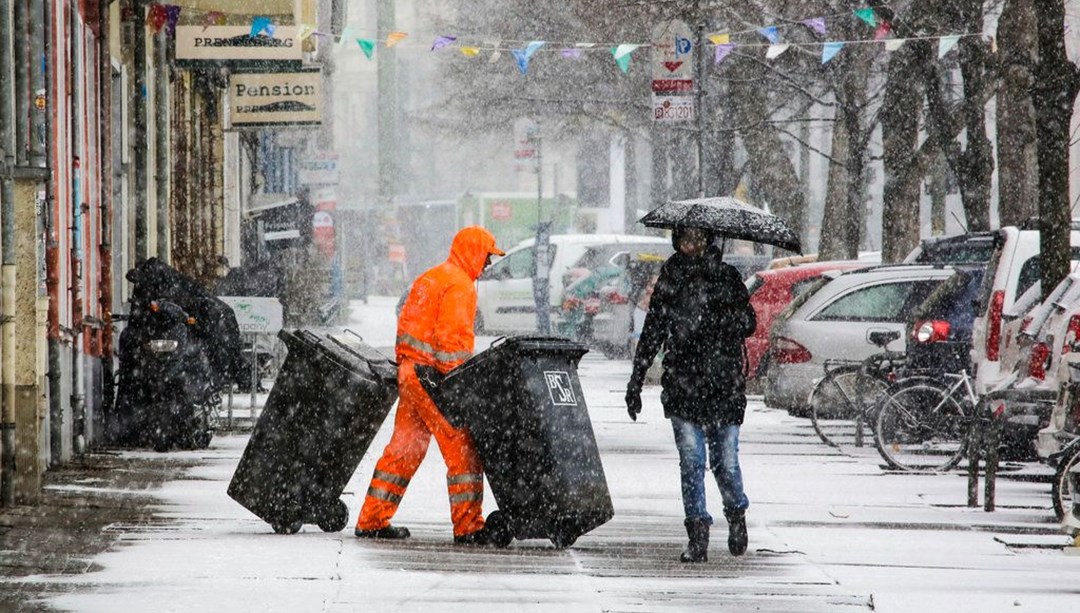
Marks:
<point>700,314</point>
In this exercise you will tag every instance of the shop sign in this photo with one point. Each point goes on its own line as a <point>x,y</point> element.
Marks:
<point>275,98</point>
<point>235,43</point>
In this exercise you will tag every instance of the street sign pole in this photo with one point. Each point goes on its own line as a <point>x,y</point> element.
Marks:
<point>699,74</point>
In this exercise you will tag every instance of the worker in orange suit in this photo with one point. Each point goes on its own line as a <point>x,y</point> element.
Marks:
<point>435,328</point>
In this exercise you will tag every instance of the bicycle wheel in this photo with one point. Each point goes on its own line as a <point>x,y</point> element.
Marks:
<point>838,407</point>
<point>921,427</point>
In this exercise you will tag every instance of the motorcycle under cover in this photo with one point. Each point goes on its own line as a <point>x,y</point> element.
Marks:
<point>522,403</point>
<point>215,322</point>
<point>327,404</point>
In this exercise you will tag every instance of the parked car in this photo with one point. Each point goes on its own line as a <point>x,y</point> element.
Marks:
<point>834,320</point>
<point>1014,266</point>
<point>940,329</point>
<point>614,254</point>
<point>770,293</point>
<point>505,300</point>
<point>1033,356</point>
<point>609,310</point>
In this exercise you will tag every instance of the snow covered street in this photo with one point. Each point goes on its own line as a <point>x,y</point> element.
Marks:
<point>827,532</point>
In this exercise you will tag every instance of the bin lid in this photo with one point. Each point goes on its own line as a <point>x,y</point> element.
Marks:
<point>508,347</point>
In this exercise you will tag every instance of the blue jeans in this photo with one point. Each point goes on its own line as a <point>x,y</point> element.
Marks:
<point>723,444</point>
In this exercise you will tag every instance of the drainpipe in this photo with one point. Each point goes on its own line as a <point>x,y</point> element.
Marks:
<point>75,259</point>
<point>139,145</point>
<point>161,138</point>
<point>52,269</point>
<point>105,274</point>
<point>7,236</point>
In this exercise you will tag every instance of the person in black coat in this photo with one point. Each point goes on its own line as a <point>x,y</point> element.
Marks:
<point>700,314</point>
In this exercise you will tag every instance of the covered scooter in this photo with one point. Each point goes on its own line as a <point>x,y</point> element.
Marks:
<point>177,353</point>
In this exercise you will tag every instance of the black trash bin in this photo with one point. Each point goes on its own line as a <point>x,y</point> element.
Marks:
<point>521,401</point>
<point>326,406</point>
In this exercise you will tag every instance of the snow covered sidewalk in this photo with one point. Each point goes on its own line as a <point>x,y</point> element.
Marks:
<point>827,532</point>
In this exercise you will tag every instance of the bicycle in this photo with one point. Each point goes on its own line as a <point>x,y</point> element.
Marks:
<point>844,401</point>
<point>925,425</point>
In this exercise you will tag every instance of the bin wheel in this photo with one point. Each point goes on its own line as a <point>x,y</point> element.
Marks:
<point>288,528</point>
<point>335,518</point>
<point>561,540</point>
<point>499,526</point>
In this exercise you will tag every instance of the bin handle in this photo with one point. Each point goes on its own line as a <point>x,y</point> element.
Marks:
<point>354,334</point>
<point>495,343</point>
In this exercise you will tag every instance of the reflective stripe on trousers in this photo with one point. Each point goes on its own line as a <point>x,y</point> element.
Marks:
<point>416,420</point>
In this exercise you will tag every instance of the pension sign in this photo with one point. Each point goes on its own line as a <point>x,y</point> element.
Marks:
<point>275,98</point>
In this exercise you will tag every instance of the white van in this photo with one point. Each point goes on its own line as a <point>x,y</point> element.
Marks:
<point>504,293</point>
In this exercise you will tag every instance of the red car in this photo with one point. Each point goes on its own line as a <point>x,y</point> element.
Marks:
<point>771,291</point>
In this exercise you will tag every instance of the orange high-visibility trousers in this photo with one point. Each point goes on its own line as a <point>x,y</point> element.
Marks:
<point>416,421</point>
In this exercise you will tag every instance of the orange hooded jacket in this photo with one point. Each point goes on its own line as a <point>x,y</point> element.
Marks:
<point>436,323</point>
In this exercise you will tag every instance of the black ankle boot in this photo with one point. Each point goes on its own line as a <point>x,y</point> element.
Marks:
<point>698,548</point>
<point>737,539</point>
<point>389,532</point>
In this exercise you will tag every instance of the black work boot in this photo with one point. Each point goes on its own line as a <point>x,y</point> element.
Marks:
<point>483,537</point>
<point>736,540</point>
<point>389,532</point>
<point>698,548</point>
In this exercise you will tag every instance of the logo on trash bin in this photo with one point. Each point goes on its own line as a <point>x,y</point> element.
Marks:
<point>560,388</point>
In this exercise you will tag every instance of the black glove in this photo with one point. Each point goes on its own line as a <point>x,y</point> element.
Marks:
<point>633,402</point>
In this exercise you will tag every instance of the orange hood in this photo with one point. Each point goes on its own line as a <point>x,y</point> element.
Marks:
<point>470,250</point>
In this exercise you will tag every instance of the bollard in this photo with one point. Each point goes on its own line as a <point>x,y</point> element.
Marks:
<point>993,430</point>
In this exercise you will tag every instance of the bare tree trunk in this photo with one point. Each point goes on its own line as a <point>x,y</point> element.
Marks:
<point>900,113</point>
<point>1057,81</point>
<point>1017,166</point>
<point>976,165</point>
<point>831,241</point>
<point>773,171</point>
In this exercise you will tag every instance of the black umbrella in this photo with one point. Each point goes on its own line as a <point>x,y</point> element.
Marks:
<point>727,217</point>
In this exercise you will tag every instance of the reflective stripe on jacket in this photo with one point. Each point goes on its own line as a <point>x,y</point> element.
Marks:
<point>436,322</point>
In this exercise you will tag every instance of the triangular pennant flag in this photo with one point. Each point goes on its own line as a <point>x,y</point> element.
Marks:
<point>816,24</point>
<point>470,51</point>
<point>719,39</point>
<point>830,50</point>
<point>172,15</point>
<point>346,35</point>
<point>945,44</point>
<point>775,51</point>
<point>259,26</point>
<point>270,29</point>
<point>304,32</point>
<point>867,15</point>
<point>213,18</point>
<point>883,30</point>
<point>367,45</point>
<point>156,17</point>
<point>495,53</point>
<point>571,53</point>
<point>722,52</point>
<point>894,44</point>
<point>531,48</point>
<point>622,61</point>
<point>521,59</point>
<point>770,33</point>
<point>394,38</point>
<point>442,41</point>
<point>623,51</point>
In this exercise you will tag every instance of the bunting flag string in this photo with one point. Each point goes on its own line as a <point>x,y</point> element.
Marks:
<point>160,15</point>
